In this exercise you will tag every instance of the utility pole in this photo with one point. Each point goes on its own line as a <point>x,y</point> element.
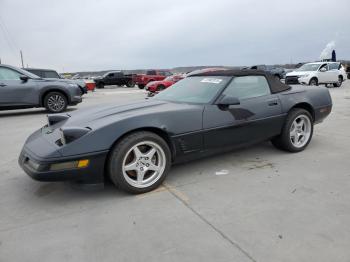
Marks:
<point>22,59</point>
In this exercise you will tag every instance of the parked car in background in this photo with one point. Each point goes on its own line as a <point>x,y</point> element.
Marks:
<point>278,72</point>
<point>52,74</point>
<point>136,144</point>
<point>151,75</point>
<point>157,86</point>
<point>317,73</point>
<point>22,89</point>
<point>114,78</point>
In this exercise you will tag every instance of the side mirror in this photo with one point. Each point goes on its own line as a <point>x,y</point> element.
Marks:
<point>323,69</point>
<point>24,78</point>
<point>228,101</point>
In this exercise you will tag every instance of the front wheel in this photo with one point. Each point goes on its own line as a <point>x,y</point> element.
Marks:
<point>296,132</point>
<point>55,102</point>
<point>313,82</point>
<point>130,83</point>
<point>340,81</point>
<point>140,162</point>
<point>141,86</point>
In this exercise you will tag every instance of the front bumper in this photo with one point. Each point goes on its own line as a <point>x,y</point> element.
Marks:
<point>39,168</point>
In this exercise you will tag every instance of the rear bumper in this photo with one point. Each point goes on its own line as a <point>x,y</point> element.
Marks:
<point>39,168</point>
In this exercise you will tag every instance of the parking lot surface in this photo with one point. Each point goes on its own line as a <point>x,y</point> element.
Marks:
<point>255,204</point>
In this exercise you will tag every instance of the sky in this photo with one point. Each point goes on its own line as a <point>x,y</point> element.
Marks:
<point>84,35</point>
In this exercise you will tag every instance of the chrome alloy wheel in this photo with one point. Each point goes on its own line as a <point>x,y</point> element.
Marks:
<point>300,131</point>
<point>56,103</point>
<point>144,164</point>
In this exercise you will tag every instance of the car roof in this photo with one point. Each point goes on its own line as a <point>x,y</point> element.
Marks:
<point>275,85</point>
<point>320,63</point>
<point>29,68</point>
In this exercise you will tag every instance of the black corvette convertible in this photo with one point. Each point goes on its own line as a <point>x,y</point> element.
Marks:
<point>136,144</point>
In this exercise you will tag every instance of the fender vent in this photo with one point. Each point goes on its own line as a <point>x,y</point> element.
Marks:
<point>183,145</point>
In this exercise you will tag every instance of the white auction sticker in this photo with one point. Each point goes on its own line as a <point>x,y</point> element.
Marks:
<point>212,80</point>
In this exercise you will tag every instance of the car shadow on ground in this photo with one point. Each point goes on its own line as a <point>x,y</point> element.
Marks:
<point>24,112</point>
<point>56,191</point>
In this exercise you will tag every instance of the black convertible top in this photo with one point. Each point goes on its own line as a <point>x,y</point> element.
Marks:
<point>276,86</point>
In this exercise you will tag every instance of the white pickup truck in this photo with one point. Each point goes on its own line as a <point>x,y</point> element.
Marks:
<point>318,73</point>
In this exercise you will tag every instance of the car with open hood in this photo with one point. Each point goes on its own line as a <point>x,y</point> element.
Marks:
<point>135,144</point>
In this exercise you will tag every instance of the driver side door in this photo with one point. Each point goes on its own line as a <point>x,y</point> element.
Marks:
<point>257,117</point>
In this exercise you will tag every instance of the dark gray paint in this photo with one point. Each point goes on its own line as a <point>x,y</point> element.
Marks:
<point>18,93</point>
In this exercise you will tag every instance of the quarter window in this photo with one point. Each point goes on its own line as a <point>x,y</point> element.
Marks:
<point>9,74</point>
<point>247,86</point>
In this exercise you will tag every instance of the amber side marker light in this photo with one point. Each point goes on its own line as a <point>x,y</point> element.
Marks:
<point>70,165</point>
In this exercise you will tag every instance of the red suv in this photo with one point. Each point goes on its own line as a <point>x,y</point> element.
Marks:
<point>157,86</point>
<point>151,75</point>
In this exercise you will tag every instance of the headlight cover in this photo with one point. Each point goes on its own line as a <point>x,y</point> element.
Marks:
<point>69,134</point>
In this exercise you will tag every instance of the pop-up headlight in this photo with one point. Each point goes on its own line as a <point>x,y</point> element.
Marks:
<point>69,134</point>
<point>55,118</point>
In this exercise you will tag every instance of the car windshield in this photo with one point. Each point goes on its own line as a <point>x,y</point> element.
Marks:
<point>308,67</point>
<point>196,89</point>
<point>24,72</point>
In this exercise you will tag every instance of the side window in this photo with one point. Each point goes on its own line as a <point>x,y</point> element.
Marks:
<point>50,74</point>
<point>334,66</point>
<point>247,87</point>
<point>324,67</point>
<point>167,73</point>
<point>110,75</point>
<point>9,74</point>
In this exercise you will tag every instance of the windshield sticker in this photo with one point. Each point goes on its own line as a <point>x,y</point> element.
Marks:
<point>212,80</point>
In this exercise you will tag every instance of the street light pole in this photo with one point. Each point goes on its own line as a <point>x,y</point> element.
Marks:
<point>22,58</point>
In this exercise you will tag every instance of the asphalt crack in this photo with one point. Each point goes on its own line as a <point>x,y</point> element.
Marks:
<point>222,234</point>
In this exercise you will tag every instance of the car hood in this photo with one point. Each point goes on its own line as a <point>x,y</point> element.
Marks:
<point>103,115</point>
<point>299,73</point>
<point>68,81</point>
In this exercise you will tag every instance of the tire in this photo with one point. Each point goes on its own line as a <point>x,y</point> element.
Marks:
<point>340,81</point>
<point>313,82</point>
<point>55,102</point>
<point>141,86</point>
<point>136,180</point>
<point>160,88</point>
<point>285,141</point>
<point>277,77</point>
<point>100,85</point>
<point>130,83</point>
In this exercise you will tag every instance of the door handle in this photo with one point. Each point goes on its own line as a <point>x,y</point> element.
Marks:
<point>273,103</point>
<point>1,84</point>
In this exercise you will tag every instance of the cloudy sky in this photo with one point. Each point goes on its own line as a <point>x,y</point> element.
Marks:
<point>75,35</point>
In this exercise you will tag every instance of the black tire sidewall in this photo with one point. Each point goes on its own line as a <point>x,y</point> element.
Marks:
<point>313,79</point>
<point>46,98</point>
<point>116,157</point>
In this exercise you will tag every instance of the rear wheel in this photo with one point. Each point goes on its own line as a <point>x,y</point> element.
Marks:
<point>141,86</point>
<point>55,102</point>
<point>296,132</point>
<point>277,78</point>
<point>130,83</point>
<point>139,162</point>
<point>313,82</point>
<point>340,81</point>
